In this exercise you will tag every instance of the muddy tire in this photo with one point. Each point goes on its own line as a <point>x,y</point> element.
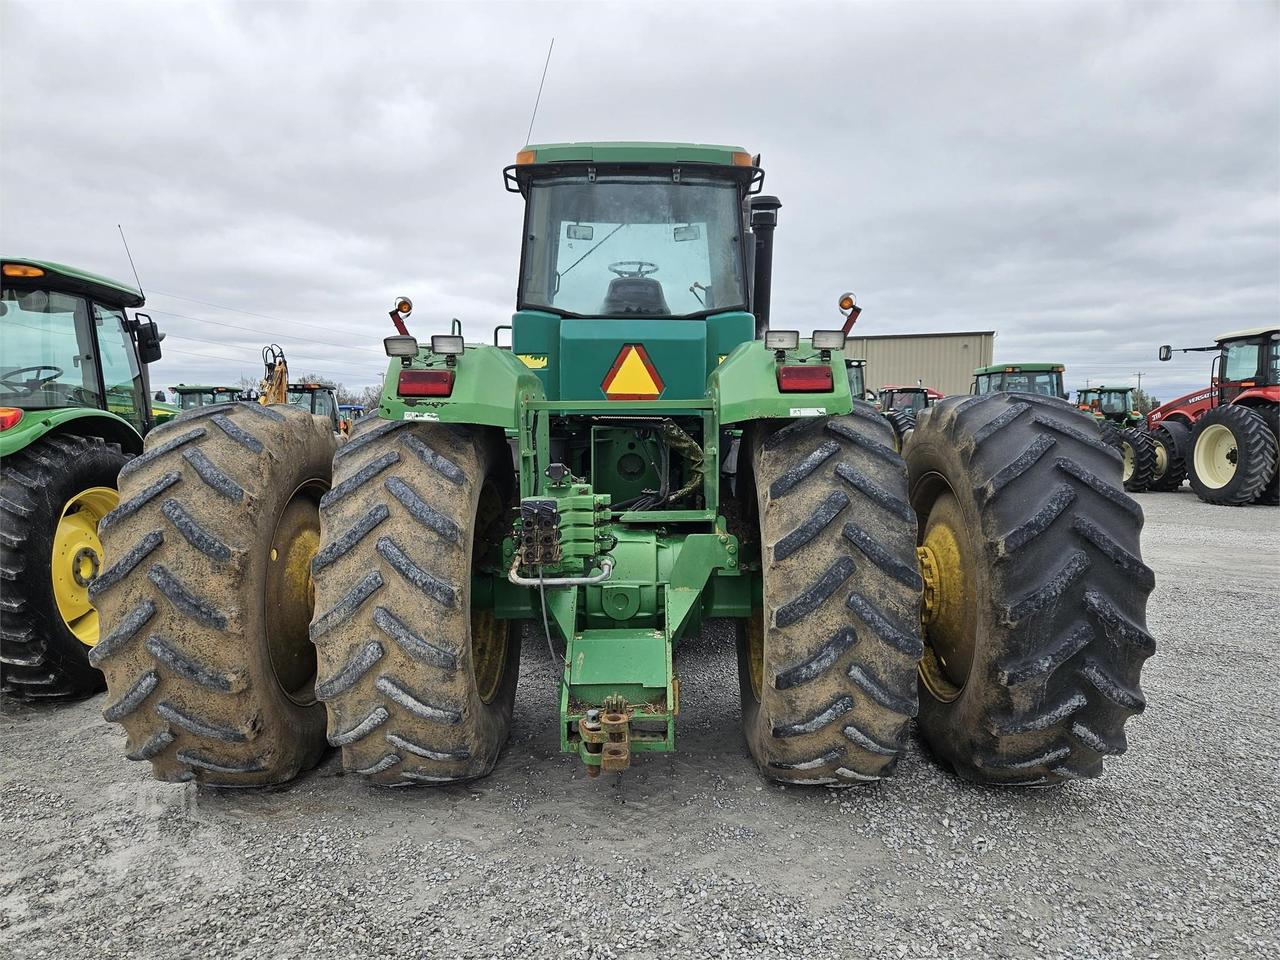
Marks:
<point>1233,456</point>
<point>1139,452</point>
<point>419,687</point>
<point>44,650</point>
<point>827,667</point>
<point>205,599</point>
<point>1172,441</point>
<point>1035,612</point>
<point>902,422</point>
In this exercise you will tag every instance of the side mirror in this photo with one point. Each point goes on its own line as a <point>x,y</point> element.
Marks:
<point>149,337</point>
<point>1166,352</point>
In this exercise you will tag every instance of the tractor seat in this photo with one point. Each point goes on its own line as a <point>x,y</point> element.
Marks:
<point>639,295</point>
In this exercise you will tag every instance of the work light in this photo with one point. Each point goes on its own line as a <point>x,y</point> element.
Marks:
<point>447,345</point>
<point>400,346</point>
<point>828,339</point>
<point>781,339</point>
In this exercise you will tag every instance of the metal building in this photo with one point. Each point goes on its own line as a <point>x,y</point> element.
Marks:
<point>944,361</point>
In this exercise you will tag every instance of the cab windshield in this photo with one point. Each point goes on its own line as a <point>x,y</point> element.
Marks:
<point>1114,401</point>
<point>903,400</point>
<point>1046,382</point>
<point>630,245</point>
<point>188,401</point>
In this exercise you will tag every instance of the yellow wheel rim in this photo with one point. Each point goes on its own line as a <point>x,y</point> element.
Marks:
<point>76,560</point>
<point>289,594</point>
<point>1162,459</point>
<point>489,637</point>
<point>1215,456</point>
<point>1127,449</point>
<point>755,651</point>
<point>948,565</point>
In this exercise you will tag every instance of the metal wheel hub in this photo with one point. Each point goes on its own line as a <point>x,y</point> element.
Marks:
<point>76,559</point>
<point>949,610</point>
<point>289,594</point>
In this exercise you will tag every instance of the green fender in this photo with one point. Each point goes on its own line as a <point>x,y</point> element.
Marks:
<point>489,386</point>
<point>745,386</point>
<point>83,421</point>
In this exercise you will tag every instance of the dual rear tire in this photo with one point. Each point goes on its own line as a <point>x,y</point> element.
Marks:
<point>1033,595</point>
<point>1233,455</point>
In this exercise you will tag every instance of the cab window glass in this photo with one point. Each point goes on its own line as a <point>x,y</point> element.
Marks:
<point>120,375</point>
<point>1241,362</point>
<point>46,354</point>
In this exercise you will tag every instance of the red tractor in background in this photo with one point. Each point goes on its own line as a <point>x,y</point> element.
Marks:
<point>1225,439</point>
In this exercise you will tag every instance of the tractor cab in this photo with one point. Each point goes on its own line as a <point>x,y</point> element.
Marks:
<point>191,396</point>
<point>856,371</point>
<point>70,344</point>
<point>319,398</point>
<point>654,237</point>
<point>914,399</point>
<point>1116,404</point>
<point>75,402</point>
<point>1041,378</point>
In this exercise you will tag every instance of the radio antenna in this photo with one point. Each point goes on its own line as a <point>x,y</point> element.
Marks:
<point>550,47</point>
<point>130,256</point>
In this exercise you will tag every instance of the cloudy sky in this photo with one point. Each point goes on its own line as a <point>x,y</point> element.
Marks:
<point>1090,180</point>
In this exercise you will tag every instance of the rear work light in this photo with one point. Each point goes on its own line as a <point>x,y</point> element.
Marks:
<point>425,383</point>
<point>805,378</point>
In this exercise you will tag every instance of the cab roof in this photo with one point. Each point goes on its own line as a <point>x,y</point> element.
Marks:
<point>1020,368</point>
<point>203,388</point>
<point>635,151</point>
<point>1243,334</point>
<point>75,280</point>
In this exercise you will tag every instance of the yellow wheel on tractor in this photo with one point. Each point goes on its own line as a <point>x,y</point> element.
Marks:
<point>206,596</point>
<point>53,493</point>
<point>1034,589</point>
<point>76,559</point>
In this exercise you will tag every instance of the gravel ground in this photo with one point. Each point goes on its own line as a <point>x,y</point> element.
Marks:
<point>1172,854</point>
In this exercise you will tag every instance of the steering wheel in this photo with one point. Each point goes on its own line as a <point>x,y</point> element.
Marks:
<point>41,381</point>
<point>633,268</point>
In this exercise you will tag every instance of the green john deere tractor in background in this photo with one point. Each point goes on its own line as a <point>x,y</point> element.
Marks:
<point>1125,429</point>
<point>74,406</point>
<point>192,396</point>
<point>189,397</point>
<point>1044,379</point>
<point>990,584</point>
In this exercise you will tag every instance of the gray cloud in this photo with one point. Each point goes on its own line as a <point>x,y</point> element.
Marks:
<point>1088,180</point>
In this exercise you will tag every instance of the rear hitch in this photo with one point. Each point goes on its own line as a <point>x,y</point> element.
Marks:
<point>606,737</point>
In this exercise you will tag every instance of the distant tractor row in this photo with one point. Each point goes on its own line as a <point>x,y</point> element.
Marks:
<point>1224,439</point>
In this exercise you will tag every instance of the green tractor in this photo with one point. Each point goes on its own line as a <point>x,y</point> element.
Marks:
<point>190,396</point>
<point>1125,429</point>
<point>74,406</point>
<point>989,584</point>
<point>1044,379</point>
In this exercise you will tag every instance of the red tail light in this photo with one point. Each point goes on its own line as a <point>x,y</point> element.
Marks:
<point>425,383</point>
<point>9,416</point>
<point>805,378</point>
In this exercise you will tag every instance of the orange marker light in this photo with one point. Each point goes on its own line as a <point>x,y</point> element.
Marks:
<point>526,156</point>
<point>22,270</point>
<point>739,160</point>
